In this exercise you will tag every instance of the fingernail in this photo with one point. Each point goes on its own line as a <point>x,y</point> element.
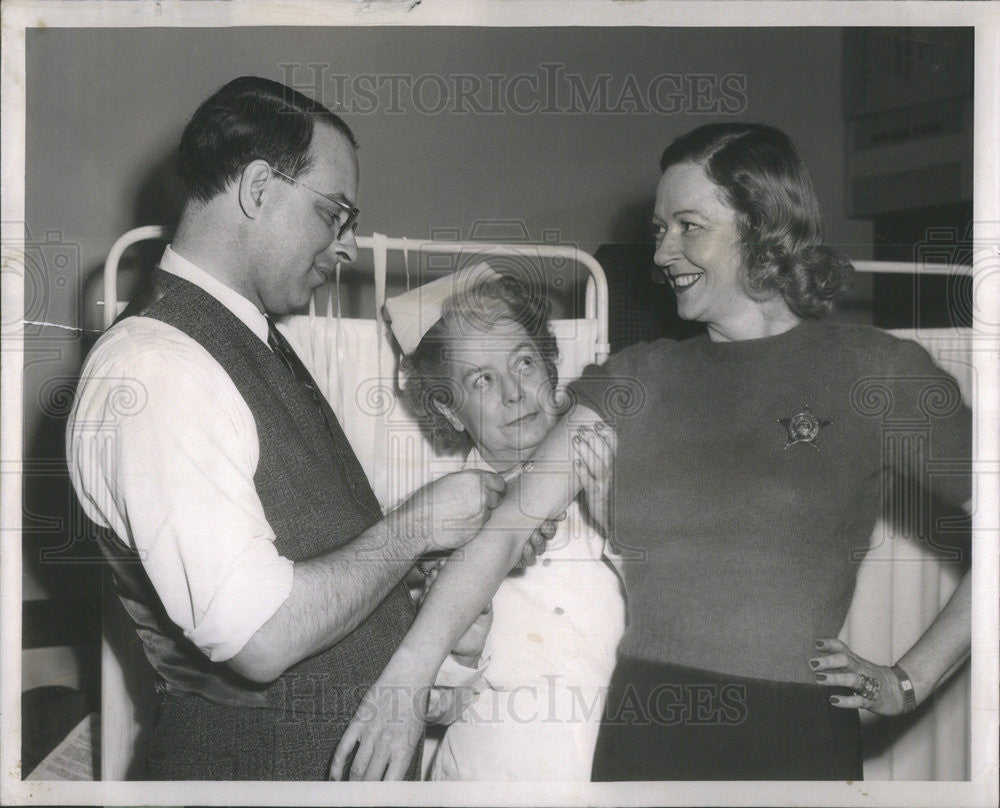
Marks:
<point>820,677</point>
<point>834,700</point>
<point>813,663</point>
<point>819,643</point>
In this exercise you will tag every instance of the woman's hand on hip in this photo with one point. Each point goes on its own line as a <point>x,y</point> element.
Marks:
<point>875,687</point>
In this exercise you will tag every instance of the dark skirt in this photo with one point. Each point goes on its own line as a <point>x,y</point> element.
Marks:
<point>670,722</point>
<point>195,739</point>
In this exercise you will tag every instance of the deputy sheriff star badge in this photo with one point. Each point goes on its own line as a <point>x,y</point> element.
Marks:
<point>803,427</point>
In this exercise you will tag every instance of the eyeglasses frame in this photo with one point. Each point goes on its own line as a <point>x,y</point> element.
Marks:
<point>352,211</point>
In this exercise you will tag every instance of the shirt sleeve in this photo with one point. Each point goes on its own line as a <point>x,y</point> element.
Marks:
<point>163,450</point>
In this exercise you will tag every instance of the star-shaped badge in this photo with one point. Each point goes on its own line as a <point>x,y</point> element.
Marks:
<point>803,427</point>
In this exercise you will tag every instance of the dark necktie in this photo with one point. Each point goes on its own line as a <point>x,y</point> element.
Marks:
<point>353,472</point>
<point>284,351</point>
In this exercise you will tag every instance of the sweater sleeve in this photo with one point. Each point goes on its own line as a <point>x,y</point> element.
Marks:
<point>615,388</point>
<point>927,410</point>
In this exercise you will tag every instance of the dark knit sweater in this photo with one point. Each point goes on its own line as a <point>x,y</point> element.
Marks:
<point>741,550</point>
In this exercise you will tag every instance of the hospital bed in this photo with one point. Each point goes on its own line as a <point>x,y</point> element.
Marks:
<point>355,367</point>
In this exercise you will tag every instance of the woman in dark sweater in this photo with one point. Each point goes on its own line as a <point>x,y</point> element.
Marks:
<point>748,476</point>
<point>749,484</point>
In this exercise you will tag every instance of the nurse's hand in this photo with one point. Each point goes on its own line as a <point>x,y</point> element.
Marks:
<point>447,704</point>
<point>594,448</point>
<point>875,687</point>
<point>385,730</point>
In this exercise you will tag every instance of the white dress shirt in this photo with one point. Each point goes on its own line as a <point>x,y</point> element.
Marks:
<point>163,450</point>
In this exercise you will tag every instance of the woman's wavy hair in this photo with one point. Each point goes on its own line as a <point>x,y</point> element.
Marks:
<point>781,233</point>
<point>427,369</point>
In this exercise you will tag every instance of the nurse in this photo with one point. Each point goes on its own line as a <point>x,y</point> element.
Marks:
<point>481,382</point>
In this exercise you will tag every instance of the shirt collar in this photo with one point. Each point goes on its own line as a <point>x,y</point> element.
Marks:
<point>474,461</point>
<point>246,311</point>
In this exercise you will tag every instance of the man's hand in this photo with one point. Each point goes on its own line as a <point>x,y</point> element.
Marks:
<point>450,511</point>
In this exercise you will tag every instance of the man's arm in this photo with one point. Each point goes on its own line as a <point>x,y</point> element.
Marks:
<point>332,594</point>
<point>163,449</point>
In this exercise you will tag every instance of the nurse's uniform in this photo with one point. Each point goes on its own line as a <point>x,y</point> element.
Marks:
<point>549,658</point>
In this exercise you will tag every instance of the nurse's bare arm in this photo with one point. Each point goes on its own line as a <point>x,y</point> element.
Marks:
<point>467,583</point>
<point>389,722</point>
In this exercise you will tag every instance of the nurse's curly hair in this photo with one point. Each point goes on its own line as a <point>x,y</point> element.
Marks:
<point>427,370</point>
<point>781,235</point>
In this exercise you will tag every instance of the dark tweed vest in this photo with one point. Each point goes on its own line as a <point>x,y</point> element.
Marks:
<point>316,498</point>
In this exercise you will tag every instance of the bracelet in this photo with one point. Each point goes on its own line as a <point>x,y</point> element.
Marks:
<point>909,697</point>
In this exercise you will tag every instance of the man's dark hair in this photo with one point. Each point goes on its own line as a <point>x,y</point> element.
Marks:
<point>250,118</point>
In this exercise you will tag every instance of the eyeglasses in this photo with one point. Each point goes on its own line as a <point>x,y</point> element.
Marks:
<point>350,223</point>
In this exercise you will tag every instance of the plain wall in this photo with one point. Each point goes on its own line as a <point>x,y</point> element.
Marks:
<point>106,108</point>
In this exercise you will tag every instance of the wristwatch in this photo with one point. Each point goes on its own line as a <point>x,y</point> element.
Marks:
<point>909,697</point>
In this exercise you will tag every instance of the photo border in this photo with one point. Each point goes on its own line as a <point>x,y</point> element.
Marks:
<point>18,17</point>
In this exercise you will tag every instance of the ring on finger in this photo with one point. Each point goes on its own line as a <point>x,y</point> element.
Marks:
<point>868,687</point>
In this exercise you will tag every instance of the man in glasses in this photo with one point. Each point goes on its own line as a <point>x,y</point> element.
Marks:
<point>245,541</point>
